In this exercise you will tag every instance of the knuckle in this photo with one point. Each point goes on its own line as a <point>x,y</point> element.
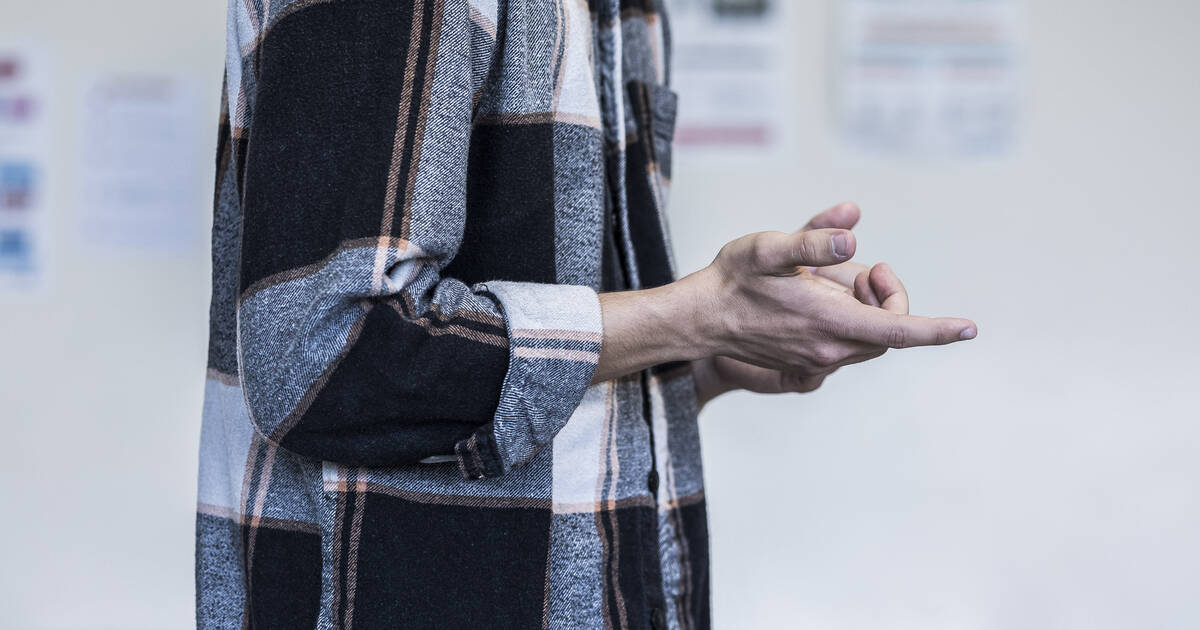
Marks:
<point>726,251</point>
<point>803,250</point>
<point>739,252</point>
<point>797,372</point>
<point>897,337</point>
<point>810,384</point>
<point>760,249</point>
<point>826,355</point>
<point>755,242</point>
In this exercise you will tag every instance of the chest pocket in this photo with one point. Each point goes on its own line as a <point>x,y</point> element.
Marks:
<point>648,177</point>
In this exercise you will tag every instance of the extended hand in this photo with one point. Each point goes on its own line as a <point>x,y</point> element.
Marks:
<point>774,323</point>
<point>876,286</point>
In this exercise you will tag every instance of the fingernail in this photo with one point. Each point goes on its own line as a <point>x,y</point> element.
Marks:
<point>841,245</point>
<point>968,333</point>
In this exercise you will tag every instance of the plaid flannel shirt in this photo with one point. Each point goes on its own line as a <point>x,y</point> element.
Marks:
<point>417,202</point>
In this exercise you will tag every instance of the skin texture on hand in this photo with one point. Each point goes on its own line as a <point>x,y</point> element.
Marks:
<point>877,286</point>
<point>773,313</point>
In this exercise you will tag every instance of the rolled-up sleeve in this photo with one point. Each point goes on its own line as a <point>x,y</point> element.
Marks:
<point>352,142</point>
<point>554,334</point>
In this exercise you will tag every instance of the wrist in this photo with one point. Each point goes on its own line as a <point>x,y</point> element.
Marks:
<point>675,322</point>
<point>698,319</point>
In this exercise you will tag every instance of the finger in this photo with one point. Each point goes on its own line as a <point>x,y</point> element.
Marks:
<point>880,327</point>
<point>776,252</point>
<point>888,288</point>
<point>842,216</point>
<point>843,273</point>
<point>803,385</point>
<point>816,248</point>
<point>807,383</point>
<point>863,290</point>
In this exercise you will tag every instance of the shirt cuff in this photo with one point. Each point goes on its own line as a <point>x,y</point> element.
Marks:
<point>554,335</point>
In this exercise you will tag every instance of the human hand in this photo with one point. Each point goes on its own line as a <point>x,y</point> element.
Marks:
<point>837,341</point>
<point>876,286</point>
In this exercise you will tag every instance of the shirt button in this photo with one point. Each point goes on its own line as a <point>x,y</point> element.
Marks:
<point>658,620</point>
<point>652,481</point>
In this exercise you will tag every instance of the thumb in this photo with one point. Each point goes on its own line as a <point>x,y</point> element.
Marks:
<point>780,252</point>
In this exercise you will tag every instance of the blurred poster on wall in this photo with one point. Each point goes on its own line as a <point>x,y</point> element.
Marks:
<point>728,69</point>
<point>933,78</point>
<point>25,225</point>
<point>138,184</point>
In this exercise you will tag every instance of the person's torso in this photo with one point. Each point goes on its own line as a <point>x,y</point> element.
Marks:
<point>568,175</point>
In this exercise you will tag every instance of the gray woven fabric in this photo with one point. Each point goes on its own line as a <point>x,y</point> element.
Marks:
<point>417,203</point>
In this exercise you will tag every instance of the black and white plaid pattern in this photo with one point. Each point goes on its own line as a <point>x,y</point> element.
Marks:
<point>417,202</point>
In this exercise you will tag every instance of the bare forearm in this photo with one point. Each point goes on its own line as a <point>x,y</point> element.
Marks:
<point>653,326</point>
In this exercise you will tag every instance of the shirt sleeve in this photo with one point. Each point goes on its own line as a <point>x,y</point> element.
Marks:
<point>352,122</point>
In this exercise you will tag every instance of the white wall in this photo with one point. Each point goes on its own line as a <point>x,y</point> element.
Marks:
<point>1042,476</point>
<point>101,385</point>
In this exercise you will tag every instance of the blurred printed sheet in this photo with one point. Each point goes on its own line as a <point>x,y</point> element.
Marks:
<point>929,77</point>
<point>25,226</point>
<point>138,168</point>
<point>728,68</point>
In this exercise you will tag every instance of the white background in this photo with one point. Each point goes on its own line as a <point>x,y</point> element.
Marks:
<point>1044,476</point>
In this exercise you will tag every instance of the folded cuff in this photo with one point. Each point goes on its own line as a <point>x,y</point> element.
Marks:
<point>554,335</point>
